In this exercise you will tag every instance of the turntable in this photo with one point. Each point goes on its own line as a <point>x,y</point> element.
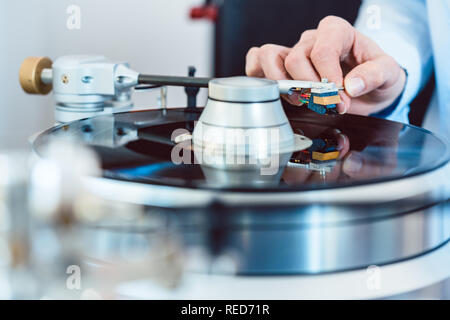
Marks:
<point>343,192</point>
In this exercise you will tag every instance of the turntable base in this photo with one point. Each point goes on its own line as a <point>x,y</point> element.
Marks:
<point>409,279</point>
<point>383,200</point>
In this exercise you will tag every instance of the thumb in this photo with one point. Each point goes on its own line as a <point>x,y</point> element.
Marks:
<point>381,72</point>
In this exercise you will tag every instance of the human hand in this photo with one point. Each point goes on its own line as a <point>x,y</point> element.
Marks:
<point>337,51</point>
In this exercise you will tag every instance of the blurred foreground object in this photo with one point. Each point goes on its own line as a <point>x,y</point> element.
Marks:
<point>51,227</point>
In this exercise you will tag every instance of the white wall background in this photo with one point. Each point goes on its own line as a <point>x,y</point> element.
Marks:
<point>154,36</point>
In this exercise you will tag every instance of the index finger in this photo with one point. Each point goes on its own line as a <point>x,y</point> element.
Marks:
<point>334,41</point>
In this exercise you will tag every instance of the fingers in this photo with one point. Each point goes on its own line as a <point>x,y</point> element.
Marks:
<point>359,165</point>
<point>371,75</point>
<point>267,61</point>
<point>272,61</point>
<point>253,67</point>
<point>374,80</point>
<point>297,63</point>
<point>293,175</point>
<point>319,52</point>
<point>317,55</point>
<point>345,103</point>
<point>334,41</point>
<point>343,145</point>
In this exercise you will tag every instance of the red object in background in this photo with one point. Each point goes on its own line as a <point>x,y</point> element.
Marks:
<point>209,12</point>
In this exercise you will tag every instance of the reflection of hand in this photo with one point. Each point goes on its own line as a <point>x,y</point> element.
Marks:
<point>362,165</point>
<point>340,53</point>
<point>378,159</point>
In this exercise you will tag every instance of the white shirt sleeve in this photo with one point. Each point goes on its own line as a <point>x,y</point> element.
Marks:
<point>400,28</point>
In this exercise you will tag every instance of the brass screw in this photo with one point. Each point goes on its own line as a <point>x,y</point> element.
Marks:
<point>65,79</point>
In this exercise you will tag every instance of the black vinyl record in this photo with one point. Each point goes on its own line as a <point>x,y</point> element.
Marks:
<point>138,146</point>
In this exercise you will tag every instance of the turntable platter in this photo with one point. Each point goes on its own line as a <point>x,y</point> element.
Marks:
<point>137,147</point>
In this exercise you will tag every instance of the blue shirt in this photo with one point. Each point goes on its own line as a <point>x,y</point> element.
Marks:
<point>417,34</point>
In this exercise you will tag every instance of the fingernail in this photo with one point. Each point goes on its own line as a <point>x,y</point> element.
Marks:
<point>353,163</point>
<point>342,105</point>
<point>355,86</point>
<point>341,142</point>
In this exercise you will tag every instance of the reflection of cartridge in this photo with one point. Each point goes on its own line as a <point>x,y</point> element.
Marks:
<point>321,150</point>
<point>324,149</point>
<point>325,156</point>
